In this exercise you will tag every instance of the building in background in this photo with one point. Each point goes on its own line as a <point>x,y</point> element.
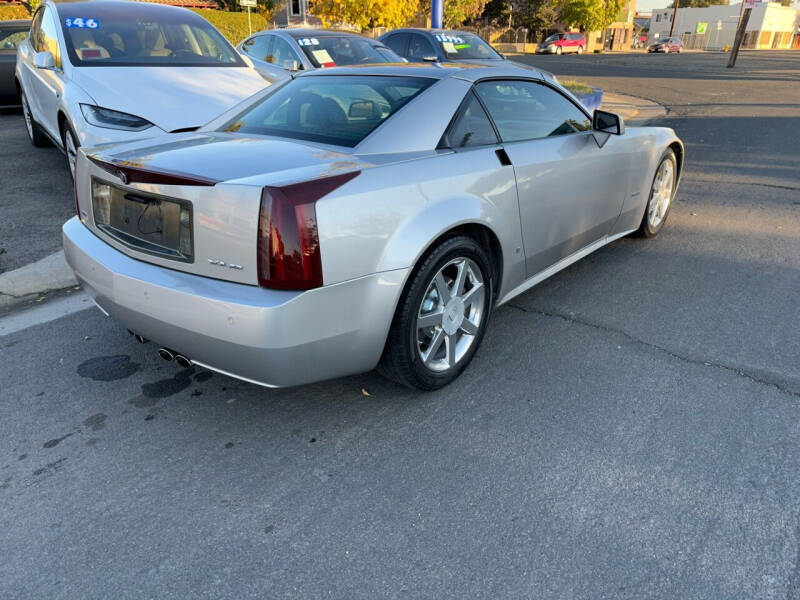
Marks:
<point>770,26</point>
<point>618,35</point>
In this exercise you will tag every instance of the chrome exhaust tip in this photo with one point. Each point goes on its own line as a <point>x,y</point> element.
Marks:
<point>183,361</point>
<point>166,354</point>
<point>140,339</point>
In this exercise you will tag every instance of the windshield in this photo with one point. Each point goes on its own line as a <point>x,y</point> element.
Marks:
<point>339,110</point>
<point>553,38</point>
<point>142,35</point>
<point>332,51</point>
<point>458,46</point>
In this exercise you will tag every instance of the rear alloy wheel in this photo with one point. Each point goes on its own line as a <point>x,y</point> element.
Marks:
<point>35,135</point>
<point>442,317</point>
<point>580,49</point>
<point>71,146</point>
<point>661,194</point>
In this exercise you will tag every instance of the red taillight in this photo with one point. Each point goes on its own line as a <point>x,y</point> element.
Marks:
<point>288,241</point>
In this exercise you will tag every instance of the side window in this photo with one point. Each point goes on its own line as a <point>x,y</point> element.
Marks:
<point>48,38</point>
<point>397,42</point>
<point>36,25</point>
<point>419,47</point>
<point>471,127</point>
<point>258,47</point>
<point>282,55</point>
<point>525,110</point>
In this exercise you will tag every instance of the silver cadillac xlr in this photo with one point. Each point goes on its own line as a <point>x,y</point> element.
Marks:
<point>356,218</point>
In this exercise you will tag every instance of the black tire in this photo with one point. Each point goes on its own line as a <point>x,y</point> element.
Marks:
<point>401,361</point>
<point>645,228</point>
<point>66,130</point>
<point>35,135</point>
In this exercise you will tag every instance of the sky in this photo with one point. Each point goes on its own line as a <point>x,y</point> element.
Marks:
<point>649,5</point>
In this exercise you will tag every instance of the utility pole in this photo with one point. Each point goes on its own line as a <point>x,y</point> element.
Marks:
<point>674,18</point>
<point>744,17</point>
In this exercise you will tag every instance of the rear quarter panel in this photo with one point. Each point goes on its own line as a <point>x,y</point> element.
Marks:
<point>388,216</point>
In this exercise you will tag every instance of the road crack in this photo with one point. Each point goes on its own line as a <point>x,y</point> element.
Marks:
<point>687,359</point>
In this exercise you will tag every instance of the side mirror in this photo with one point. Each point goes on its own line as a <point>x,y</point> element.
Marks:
<point>608,122</point>
<point>44,60</point>
<point>432,58</point>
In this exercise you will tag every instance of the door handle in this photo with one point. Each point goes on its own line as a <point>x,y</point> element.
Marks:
<point>502,156</point>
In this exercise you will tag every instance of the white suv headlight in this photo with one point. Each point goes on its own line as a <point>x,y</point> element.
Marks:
<point>113,119</point>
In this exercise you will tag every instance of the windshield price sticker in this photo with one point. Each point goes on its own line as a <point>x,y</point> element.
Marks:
<point>81,23</point>
<point>308,42</point>
<point>453,39</point>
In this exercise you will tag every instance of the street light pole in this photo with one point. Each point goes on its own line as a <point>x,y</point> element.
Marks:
<point>674,18</point>
<point>744,17</point>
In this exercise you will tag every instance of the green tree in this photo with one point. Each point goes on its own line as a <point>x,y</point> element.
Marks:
<point>366,13</point>
<point>590,15</point>
<point>456,12</point>
<point>538,16</point>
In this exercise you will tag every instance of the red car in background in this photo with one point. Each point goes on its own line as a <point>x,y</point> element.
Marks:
<point>666,45</point>
<point>561,43</point>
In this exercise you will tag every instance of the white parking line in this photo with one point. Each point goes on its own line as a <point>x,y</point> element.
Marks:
<point>44,313</point>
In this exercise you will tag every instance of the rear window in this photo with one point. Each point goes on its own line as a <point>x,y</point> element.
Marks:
<point>460,46</point>
<point>333,51</point>
<point>142,35</point>
<point>340,110</point>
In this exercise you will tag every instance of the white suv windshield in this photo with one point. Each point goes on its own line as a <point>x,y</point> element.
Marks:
<point>458,46</point>
<point>141,35</point>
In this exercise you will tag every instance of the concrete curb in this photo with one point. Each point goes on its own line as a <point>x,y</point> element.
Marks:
<point>45,275</point>
<point>631,108</point>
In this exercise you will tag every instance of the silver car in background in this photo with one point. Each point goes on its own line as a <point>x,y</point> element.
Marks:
<point>91,73</point>
<point>360,217</point>
<point>278,53</point>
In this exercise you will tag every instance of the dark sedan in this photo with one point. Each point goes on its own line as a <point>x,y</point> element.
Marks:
<point>11,34</point>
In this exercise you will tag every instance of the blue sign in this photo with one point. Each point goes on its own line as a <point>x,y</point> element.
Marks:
<point>81,23</point>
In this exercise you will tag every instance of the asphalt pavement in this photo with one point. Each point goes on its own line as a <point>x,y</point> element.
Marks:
<point>630,428</point>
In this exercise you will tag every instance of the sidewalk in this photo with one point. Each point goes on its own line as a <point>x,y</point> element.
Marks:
<point>635,111</point>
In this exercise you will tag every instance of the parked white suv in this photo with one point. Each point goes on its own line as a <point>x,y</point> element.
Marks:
<point>90,73</point>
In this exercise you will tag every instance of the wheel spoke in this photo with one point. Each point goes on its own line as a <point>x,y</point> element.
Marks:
<point>472,294</point>
<point>429,320</point>
<point>434,346</point>
<point>441,288</point>
<point>461,277</point>
<point>469,327</point>
<point>450,342</point>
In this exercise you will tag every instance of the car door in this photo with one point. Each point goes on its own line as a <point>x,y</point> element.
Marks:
<point>571,190</point>
<point>398,42</point>
<point>46,86</point>
<point>420,48</point>
<point>10,37</point>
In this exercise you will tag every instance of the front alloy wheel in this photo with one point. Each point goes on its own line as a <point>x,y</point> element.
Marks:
<point>70,147</point>
<point>35,136</point>
<point>441,317</point>
<point>661,194</point>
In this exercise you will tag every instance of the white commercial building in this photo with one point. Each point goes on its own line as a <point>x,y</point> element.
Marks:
<point>770,26</point>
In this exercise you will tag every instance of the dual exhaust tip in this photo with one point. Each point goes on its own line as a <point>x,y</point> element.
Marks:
<point>170,355</point>
<point>165,353</point>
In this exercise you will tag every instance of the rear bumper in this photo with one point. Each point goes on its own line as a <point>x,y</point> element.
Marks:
<point>270,337</point>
